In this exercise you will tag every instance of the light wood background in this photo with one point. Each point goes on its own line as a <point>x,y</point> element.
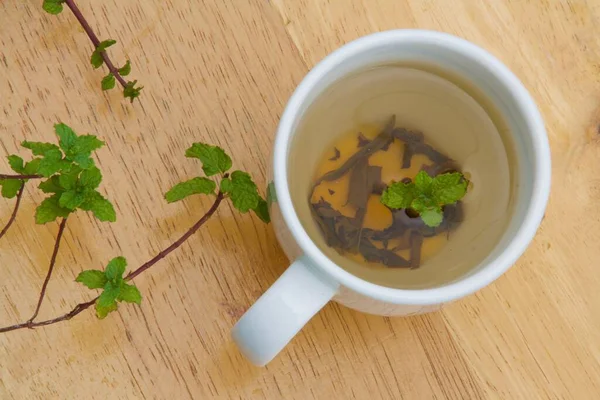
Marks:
<point>221,72</point>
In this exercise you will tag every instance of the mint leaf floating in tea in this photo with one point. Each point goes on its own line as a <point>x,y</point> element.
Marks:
<point>427,195</point>
<point>399,195</point>
<point>422,206</point>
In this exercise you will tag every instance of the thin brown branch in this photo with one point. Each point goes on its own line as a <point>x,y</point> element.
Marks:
<point>61,230</point>
<point>180,241</point>
<point>95,41</point>
<point>5,176</point>
<point>83,306</point>
<point>31,324</point>
<point>14,213</point>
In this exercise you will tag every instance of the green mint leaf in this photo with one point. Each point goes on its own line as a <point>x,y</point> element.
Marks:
<point>125,69</point>
<point>271,193</point>
<point>71,199</point>
<point>92,278</point>
<point>432,217</point>
<point>51,185</point>
<point>91,178</point>
<point>101,207</point>
<point>244,193</point>
<point>68,179</point>
<point>10,187</point>
<point>84,161</point>
<point>86,144</point>
<point>103,311</point>
<point>226,185</point>
<point>16,164</point>
<point>423,203</point>
<point>423,182</point>
<point>130,91</point>
<point>115,269</point>
<point>130,294</point>
<point>262,210</point>
<point>66,136</point>
<point>108,82</point>
<point>107,301</point>
<point>31,168</point>
<point>48,167</point>
<point>105,44</point>
<point>53,7</point>
<point>449,188</point>
<point>188,188</point>
<point>96,59</point>
<point>51,163</point>
<point>398,195</point>
<point>49,210</point>
<point>214,159</point>
<point>39,148</point>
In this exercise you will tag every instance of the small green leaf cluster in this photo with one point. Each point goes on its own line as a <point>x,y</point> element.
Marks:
<point>238,185</point>
<point>97,59</point>
<point>427,195</point>
<point>114,287</point>
<point>72,176</point>
<point>130,90</point>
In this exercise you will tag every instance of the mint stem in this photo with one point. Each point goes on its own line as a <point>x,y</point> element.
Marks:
<point>21,177</point>
<point>61,230</point>
<point>180,241</point>
<point>95,41</point>
<point>14,213</point>
<point>84,306</point>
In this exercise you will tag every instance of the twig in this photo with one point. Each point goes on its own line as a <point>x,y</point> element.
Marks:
<point>14,213</point>
<point>180,241</point>
<point>61,230</point>
<point>4,176</point>
<point>83,306</point>
<point>95,41</point>
<point>31,325</point>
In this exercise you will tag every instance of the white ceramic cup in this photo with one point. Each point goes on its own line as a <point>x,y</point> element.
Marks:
<point>313,280</point>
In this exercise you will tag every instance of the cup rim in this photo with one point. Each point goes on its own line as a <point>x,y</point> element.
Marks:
<point>541,167</point>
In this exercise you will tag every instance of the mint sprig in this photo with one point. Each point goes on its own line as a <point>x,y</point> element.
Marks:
<point>238,186</point>
<point>73,178</point>
<point>114,285</point>
<point>99,56</point>
<point>427,195</point>
<point>73,186</point>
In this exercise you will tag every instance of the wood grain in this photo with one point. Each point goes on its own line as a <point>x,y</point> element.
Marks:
<point>221,73</point>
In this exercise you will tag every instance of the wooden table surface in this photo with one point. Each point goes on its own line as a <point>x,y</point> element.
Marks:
<point>221,72</point>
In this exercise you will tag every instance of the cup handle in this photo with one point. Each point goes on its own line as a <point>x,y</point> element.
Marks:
<point>276,317</point>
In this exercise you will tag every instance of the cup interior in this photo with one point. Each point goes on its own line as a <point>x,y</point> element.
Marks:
<point>485,75</point>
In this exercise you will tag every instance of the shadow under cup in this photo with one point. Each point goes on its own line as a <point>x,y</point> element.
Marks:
<point>507,177</point>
